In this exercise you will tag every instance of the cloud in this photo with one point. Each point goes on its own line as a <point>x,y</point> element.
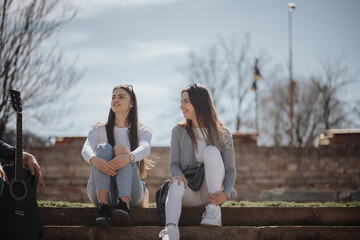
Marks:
<point>156,49</point>
<point>93,57</point>
<point>72,38</point>
<point>128,53</point>
<point>151,88</point>
<point>90,8</point>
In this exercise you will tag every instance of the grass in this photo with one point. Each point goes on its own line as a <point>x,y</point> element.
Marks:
<point>42,203</point>
<point>289,204</point>
<point>226,204</point>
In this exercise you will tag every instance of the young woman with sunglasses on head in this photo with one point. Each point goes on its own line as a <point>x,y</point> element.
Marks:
<point>200,139</point>
<point>117,150</point>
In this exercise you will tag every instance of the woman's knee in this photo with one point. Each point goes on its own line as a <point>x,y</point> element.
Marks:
<point>120,149</point>
<point>175,187</point>
<point>104,151</point>
<point>210,152</point>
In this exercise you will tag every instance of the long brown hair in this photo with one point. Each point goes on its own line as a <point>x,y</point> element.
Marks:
<point>206,116</point>
<point>132,121</point>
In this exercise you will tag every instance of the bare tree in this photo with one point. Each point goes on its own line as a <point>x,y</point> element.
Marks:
<point>306,114</point>
<point>334,79</point>
<point>208,68</point>
<point>355,109</point>
<point>317,106</point>
<point>225,70</point>
<point>307,111</point>
<point>239,69</point>
<point>276,107</point>
<point>28,62</point>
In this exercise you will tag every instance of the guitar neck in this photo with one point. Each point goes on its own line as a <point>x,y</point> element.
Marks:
<point>18,147</point>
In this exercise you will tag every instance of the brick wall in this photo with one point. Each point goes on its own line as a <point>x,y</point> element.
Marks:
<point>260,170</point>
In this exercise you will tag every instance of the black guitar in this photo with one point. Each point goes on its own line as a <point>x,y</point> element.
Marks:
<point>19,214</point>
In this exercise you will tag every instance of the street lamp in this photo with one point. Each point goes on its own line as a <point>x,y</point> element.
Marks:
<point>291,7</point>
<point>257,74</point>
<point>256,77</point>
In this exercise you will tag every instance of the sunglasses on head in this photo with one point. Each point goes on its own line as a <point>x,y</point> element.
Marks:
<point>128,86</point>
<point>194,85</point>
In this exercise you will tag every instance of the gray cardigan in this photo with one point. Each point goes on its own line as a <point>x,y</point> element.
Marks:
<point>182,156</point>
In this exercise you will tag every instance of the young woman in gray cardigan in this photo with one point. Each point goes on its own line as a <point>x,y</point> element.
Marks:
<point>201,139</point>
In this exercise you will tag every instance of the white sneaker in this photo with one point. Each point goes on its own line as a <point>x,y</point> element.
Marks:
<point>170,232</point>
<point>211,216</point>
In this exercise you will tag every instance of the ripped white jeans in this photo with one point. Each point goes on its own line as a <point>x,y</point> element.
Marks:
<point>179,197</point>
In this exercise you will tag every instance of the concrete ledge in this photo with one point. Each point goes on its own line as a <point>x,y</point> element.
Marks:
<point>246,216</point>
<point>86,216</point>
<point>218,233</point>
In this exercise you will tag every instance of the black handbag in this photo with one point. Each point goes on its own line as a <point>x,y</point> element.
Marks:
<point>160,197</point>
<point>195,177</point>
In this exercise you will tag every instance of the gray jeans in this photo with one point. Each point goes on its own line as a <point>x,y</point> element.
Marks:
<point>126,182</point>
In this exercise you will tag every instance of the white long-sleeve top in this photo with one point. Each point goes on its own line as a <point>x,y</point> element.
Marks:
<point>97,135</point>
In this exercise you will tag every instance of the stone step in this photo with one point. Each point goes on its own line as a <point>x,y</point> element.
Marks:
<point>237,216</point>
<point>199,233</point>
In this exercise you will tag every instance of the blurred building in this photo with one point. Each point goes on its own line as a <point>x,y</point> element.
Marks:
<point>339,138</point>
<point>74,141</point>
<point>245,138</point>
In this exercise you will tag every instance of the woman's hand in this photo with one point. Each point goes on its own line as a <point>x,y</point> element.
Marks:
<point>180,178</point>
<point>218,198</point>
<point>103,166</point>
<point>34,168</point>
<point>120,161</point>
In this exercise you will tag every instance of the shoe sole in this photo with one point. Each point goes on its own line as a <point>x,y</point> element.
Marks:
<point>102,223</point>
<point>209,225</point>
<point>120,218</point>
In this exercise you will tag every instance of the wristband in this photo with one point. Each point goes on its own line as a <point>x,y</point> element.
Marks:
<point>132,157</point>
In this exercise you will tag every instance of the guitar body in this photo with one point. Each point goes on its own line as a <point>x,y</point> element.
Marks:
<point>19,214</point>
<point>20,219</point>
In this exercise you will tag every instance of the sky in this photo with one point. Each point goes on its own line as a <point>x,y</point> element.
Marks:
<point>144,42</point>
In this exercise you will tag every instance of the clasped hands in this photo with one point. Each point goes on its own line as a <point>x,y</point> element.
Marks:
<point>121,159</point>
<point>110,167</point>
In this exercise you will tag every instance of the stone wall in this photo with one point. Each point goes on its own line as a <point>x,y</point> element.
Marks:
<point>311,174</point>
<point>263,173</point>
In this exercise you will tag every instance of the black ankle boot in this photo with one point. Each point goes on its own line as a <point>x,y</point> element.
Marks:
<point>103,215</point>
<point>121,215</point>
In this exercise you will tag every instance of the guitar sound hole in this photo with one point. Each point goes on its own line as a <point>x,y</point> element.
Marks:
<point>19,189</point>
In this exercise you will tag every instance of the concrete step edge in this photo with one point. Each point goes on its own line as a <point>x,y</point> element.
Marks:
<point>230,216</point>
<point>226,232</point>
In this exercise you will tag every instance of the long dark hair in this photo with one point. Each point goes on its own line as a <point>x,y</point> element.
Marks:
<point>206,116</point>
<point>131,121</point>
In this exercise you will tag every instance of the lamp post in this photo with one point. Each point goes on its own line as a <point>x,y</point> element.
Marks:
<point>291,7</point>
<point>257,76</point>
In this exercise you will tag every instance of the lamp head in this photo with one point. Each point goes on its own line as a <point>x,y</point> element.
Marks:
<point>291,6</point>
<point>257,74</point>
